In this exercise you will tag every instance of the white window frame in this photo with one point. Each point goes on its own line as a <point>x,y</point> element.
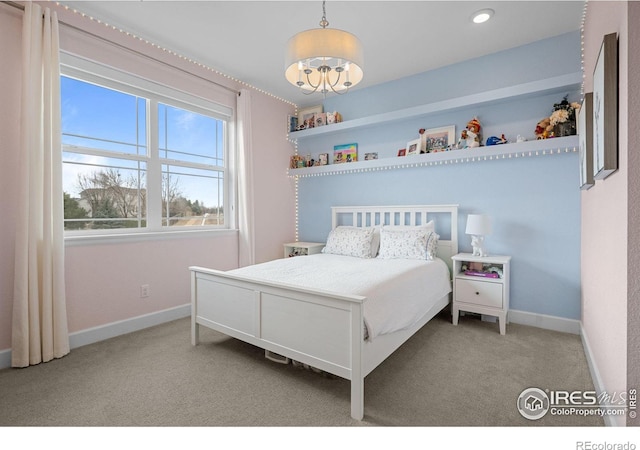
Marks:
<point>108,77</point>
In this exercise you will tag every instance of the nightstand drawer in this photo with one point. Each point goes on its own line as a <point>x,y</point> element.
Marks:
<point>479,293</point>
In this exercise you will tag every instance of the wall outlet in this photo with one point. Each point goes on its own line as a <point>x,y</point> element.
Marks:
<point>144,291</point>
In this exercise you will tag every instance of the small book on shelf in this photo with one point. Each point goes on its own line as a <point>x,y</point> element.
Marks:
<point>477,273</point>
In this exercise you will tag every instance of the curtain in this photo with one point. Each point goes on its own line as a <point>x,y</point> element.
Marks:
<point>39,321</point>
<point>246,221</point>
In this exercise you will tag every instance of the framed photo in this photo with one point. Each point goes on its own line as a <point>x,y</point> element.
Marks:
<point>306,117</point>
<point>413,147</point>
<point>439,139</point>
<point>605,109</point>
<point>402,152</point>
<point>323,159</point>
<point>368,156</point>
<point>320,118</point>
<point>585,141</point>
<point>345,153</point>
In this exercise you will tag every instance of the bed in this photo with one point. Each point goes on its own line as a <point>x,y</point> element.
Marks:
<point>334,311</point>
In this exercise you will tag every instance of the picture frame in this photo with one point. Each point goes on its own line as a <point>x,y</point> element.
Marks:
<point>413,147</point>
<point>585,141</point>
<point>323,159</point>
<point>439,139</point>
<point>402,152</point>
<point>605,109</point>
<point>345,153</point>
<point>369,156</point>
<point>306,116</point>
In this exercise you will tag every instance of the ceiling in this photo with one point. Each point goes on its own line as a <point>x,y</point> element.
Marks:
<point>246,39</point>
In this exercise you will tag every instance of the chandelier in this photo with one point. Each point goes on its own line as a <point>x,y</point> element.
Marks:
<point>324,59</point>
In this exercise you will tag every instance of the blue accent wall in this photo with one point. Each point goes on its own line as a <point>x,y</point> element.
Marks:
<point>534,201</point>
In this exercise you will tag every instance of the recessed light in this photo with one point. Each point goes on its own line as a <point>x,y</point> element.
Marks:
<point>482,16</point>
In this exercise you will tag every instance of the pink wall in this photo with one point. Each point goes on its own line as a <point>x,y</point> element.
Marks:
<point>10,72</point>
<point>604,217</point>
<point>103,281</point>
<point>633,282</point>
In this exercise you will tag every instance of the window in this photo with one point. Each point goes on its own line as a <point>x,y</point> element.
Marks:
<point>140,160</point>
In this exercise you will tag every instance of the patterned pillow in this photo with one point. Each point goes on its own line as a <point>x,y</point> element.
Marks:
<point>350,241</point>
<point>432,245</point>
<point>407,243</point>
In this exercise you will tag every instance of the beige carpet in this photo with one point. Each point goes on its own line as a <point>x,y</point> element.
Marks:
<point>445,375</point>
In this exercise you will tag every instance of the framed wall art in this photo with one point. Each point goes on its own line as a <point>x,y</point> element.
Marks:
<point>605,109</point>
<point>413,147</point>
<point>585,141</point>
<point>345,153</point>
<point>439,139</point>
<point>307,117</point>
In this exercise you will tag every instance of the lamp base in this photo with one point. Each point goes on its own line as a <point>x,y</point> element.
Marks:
<point>477,243</point>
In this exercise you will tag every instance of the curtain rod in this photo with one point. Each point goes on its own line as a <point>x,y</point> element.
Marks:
<point>123,47</point>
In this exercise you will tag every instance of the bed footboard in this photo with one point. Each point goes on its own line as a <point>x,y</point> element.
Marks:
<point>319,328</point>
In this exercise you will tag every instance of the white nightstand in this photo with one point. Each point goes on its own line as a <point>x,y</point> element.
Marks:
<point>302,248</point>
<point>478,294</point>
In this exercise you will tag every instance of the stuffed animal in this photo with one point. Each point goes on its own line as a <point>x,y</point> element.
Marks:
<point>334,117</point>
<point>544,129</point>
<point>462,143</point>
<point>473,133</point>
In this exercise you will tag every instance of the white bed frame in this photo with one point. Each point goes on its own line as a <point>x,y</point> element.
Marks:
<point>319,328</point>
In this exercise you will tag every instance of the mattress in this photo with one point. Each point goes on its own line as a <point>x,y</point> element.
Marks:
<point>399,291</point>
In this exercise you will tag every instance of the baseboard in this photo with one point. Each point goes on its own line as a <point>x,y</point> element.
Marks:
<point>610,421</point>
<point>544,321</point>
<point>110,330</point>
<point>5,359</point>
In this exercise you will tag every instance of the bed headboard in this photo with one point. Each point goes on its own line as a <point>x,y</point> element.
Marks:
<point>444,216</point>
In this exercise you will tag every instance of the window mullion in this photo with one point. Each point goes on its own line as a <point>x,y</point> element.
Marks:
<point>154,185</point>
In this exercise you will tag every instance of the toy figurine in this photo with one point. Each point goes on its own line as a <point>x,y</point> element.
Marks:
<point>473,132</point>
<point>494,140</point>
<point>423,140</point>
<point>462,142</point>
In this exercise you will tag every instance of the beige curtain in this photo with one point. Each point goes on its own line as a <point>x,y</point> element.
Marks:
<point>39,326</point>
<point>245,181</point>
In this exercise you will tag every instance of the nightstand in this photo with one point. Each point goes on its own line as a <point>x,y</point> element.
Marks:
<point>302,248</point>
<point>481,293</point>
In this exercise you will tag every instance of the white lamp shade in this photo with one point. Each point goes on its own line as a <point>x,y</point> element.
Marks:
<point>324,46</point>
<point>478,224</point>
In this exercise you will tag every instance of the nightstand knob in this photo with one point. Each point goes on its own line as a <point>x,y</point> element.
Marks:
<point>477,293</point>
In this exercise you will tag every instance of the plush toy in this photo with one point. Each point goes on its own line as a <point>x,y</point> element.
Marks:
<point>473,133</point>
<point>334,117</point>
<point>462,143</point>
<point>544,129</point>
<point>494,140</point>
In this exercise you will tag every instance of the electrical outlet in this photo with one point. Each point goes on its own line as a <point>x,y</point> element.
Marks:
<point>144,291</point>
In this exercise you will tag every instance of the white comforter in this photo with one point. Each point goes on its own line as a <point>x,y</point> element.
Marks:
<point>399,291</point>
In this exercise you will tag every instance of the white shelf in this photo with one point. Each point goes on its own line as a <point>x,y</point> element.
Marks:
<point>540,147</point>
<point>559,84</point>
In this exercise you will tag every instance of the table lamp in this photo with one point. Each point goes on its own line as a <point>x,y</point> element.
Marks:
<point>478,226</point>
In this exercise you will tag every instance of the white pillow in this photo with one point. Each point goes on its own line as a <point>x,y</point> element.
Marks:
<point>429,226</point>
<point>407,243</point>
<point>350,241</point>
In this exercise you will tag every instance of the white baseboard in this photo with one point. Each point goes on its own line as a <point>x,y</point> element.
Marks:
<point>110,330</point>
<point>610,421</point>
<point>545,322</point>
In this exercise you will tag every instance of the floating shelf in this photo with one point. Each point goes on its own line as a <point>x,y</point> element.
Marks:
<point>540,147</point>
<point>559,84</point>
